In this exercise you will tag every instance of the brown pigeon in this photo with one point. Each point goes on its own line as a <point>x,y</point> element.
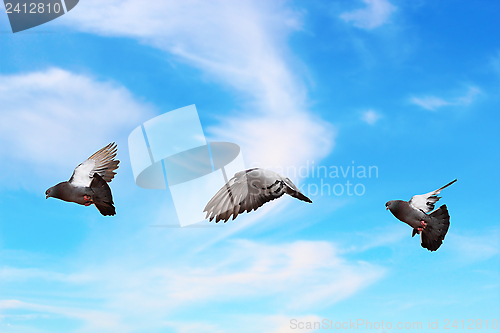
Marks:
<point>431,227</point>
<point>88,184</point>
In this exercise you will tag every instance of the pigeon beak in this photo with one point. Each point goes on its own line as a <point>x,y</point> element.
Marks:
<point>387,208</point>
<point>46,197</point>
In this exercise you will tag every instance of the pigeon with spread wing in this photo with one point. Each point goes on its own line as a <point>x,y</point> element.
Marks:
<point>88,184</point>
<point>431,227</point>
<point>247,191</point>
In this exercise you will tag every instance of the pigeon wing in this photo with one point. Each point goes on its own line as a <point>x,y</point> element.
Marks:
<point>292,190</point>
<point>245,192</point>
<point>426,202</point>
<point>101,162</point>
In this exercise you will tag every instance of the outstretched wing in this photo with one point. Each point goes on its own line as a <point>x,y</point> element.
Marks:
<point>292,190</point>
<point>101,162</point>
<point>426,202</point>
<point>246,191</point>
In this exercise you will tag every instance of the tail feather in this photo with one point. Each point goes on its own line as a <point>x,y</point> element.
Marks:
<point>435,231</point>
<point>102,198</point>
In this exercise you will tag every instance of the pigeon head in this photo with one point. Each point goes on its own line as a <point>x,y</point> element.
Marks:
<point>240,174</point>
<point>390,205</point>
<point>49,193</point>
<point>54,192</point>
<point>393,205</point>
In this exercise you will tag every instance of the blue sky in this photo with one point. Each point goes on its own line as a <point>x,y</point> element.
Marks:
<point>411,88</point>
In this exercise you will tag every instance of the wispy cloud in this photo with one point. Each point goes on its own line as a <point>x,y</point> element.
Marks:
<point>50,118</point>
<point>473,248</point>
<point>361,241</point>
<point>95,321</point>
<point>370,117</point>
<point>495,62</point>
<point>241,45</point>
<point>432,103</point>
<point>296,277</point>
<point>429,102</point>
<point>375,14</point>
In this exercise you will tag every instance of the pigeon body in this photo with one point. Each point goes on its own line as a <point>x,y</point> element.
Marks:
<point>247,191</point>
<point>431,227</point>
<point>404,212</point>
<point>68,192</point>
<point>88,184</point>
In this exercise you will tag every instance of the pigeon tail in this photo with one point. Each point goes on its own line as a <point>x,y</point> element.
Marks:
<point>102,197</point>
<point>435,231</point>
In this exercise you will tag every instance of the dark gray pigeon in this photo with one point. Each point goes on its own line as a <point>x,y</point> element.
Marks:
<point>431,227</point>
<point>247,191</point>
<point>89,183</point>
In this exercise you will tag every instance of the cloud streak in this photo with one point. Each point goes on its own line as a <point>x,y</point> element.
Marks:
<point>241,45</point>
<point>296,277</point>
<point>375,14</point>
<point>433,103</point>
<point>96,321</point>
<point>472,248</point>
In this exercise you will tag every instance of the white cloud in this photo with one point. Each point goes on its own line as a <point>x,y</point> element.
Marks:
<point>432,103</point>
<point>305,274</point>
<point>429,102</point>
<point>55,118</point>
<point>241,45</point>
<point>495,62</point>
<point>469,97</point>
<point>278,142</point>
<point>370,117</point>
<point>296,277</point>
<point>361,241</point>
<point>472,248</point>
<point>96,321</point>
<point>376,13</point>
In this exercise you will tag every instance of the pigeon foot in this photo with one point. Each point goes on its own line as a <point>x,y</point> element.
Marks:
<point>420,229</point>
<point>86,197</point>
<point>88,203</point>
<point>423,224</point>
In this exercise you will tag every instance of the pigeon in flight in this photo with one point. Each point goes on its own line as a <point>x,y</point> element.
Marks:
<point>88,184</point>
<point>247,191</point>
<point>431,227</point>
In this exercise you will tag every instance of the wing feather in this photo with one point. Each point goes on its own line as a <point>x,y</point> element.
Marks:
<point>101,162</point>
<point>426,202</point>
